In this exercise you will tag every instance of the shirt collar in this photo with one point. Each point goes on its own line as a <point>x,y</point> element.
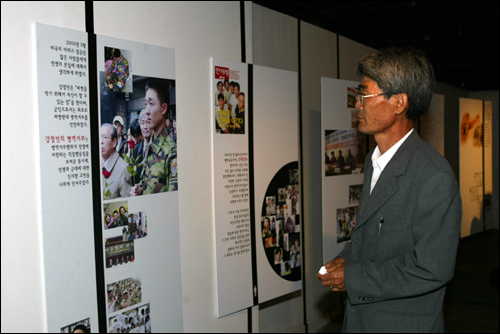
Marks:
<point>381,160</point>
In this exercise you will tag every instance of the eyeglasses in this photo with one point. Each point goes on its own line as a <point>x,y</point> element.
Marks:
<point>361,98</point>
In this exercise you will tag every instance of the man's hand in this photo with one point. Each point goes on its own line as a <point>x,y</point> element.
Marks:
<point>334,278</point>
<point>135,190</point>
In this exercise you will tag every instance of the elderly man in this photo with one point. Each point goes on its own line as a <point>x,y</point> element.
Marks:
<point>160,168</point>
<point>403,247</point>
<point>122,144</point>
<point>116,180</point>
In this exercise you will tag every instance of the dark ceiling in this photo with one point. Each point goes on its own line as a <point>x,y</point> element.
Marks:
<point>460,38</point>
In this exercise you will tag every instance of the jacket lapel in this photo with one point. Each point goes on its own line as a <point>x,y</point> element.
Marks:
<point>386,185</point>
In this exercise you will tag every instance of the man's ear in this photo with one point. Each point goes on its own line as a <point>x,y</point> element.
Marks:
<point>164,108</point>
<point>401,103</point>
<point>115,141</point>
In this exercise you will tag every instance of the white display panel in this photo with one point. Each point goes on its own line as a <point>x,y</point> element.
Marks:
<point>65,178</point>
<point>276,144</point>
<point>341,181</point>
<point>471,165</point>
<point>231,187</point>
<point>143,250</point>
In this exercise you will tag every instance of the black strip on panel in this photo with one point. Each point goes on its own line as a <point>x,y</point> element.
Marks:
<point>251,169</point>
<point>301,171</point>
<point>96,170</point>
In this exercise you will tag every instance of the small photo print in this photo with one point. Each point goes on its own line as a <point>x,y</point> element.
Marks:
<point>281,194</point>
<point>124,293</point>
<point>271,241</point>
<point>117,67</point>
<point>82,326</point>
<point>266,227</point>
<point>295,259</point>
<point>294,242</point>
<point>351,97</point>
<point>290,224</point>
<point>281,210</point>
<point>278,255</point>
<point>270,205</point>
<point>346,221</point>
<point>115,214</point>
<point>136,320</point>
<point>286,268</point>
<point>118,250</point>
<point>355,194</point>
<point>280,231</point>
<point>285,242</point>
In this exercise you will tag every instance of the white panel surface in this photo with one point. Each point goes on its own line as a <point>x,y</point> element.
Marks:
<point>336,115</point>
<point>275,144</point>
<point>66,186</point>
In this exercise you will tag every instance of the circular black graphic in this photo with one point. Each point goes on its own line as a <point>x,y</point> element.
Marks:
<point>280,223</point>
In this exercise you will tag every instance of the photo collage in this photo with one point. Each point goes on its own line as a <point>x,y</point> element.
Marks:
<point>119,248</point>
<point>280,223</point>
<point>344,152</point>
<point>136,110</point>
<point>136,320</point>
<point>229,102</point>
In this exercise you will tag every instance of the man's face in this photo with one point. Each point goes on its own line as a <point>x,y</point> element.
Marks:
<point>226,85</point>
<point>154,110</point>
<point>241,102</point>
<point>269,202</point>
<point>167,123</point>
<point>119,128</point>
<point>145,128</point>
<point>376,115</point>
<point>236,91</point>
<point>219,87</point>
<point>221,104</point>
<point>231,88</point>
<point>107,144</point>
<point>278,256</point>
<point>348,152</point>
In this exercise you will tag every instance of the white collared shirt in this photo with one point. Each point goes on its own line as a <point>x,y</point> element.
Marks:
<point>380,161</point>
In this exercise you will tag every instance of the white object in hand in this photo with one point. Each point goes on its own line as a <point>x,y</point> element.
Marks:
<point>322,271</point>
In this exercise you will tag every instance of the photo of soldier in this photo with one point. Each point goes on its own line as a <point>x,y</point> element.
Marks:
<point>126,292</point>
<point>151,145</point>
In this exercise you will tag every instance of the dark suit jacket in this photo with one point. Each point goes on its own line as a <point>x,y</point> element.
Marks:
<point>395,278</point>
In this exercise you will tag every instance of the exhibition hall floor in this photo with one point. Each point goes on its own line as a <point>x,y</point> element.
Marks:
<point>471,302</point>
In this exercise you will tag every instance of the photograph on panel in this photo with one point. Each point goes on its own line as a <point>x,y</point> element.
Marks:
<point>138,138</point>
<point>271,205</point>
<point>124,293</point>
<point>344,152</point>
<point>355,194</point>
<point>82,326</point>
<point>294,239</point>
<point>351,97</point>
<point>115,214</point>
<point>119,250</point>
<point>136,320</point>
<point>278,255</point>
<point>292,198</point>
<point>294,176</point>
<point>281,194</point>
<point>346,221</point>
<point>286,268</point>
<point>117,66</point>
<point>229,102</point>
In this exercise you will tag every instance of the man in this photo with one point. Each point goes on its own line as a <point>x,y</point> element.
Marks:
<point>349,160</point>
<point>160,170</point>
<point>116,179</point>
<point>403,247</point>
<point>271,207</point>
<point>111,300</point>
<point>340,159</point>
<point>222,116</point>
<point>233,102</point>
<point>139,147</point>
<point>220,88</point>
<point>226,91</point>
<point>145,130</point>
<point>122,144</point>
